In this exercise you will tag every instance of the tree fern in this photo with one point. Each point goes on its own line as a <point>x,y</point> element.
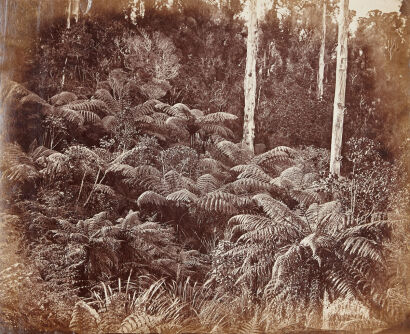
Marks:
<point>71,116</point>
<point>105,96</point>
<point>150,198</point>
<point>62,98</point>
<point>17,166</point>
<point>217,117</point>
<point>221,202</point>
<point>207,183</point>
<point>280,154</point>
<point>252,171</point>
<point>84,318</point>
<point>247,185</point>
<point>182,196</point>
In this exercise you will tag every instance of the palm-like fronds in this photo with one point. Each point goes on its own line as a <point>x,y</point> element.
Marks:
<point>222,202</point>
<point>182,196</point>
<point>280,154</point>
<point>105,96</point>
<point>84,318</point>
<point>151,198</point>
<point>63,98</point>
<point>17,166</point>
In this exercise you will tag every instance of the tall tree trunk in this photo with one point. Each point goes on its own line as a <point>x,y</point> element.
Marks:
<point>76,10</point>
<point>89,5</point>
<point>322,55</point>
<point>69,14</point>
<point>340,89</point>
<point>250,78</point>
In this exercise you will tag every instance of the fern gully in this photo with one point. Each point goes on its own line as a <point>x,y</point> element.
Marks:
<point>129,203</point>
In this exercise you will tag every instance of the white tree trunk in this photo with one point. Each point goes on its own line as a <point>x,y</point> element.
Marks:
<point>76,10</point>
<point>89,5</point>
<point>322,56</point>
<point>69,14</point>
<point>340,89</point>
<point>250,78</point>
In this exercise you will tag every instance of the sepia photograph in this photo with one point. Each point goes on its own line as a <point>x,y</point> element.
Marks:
<point>204,166</point>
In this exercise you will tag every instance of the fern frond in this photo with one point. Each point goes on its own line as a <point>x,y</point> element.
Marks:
<point>207,183</point>
<point>89,105</point>
<point>41,152</point>
<point>259,229</point>
<point>232,151</point>
<point>283,269</point>
<point>182,196</point>
<point>56,164</point>
<point>196,113</point>
<point>122,169</point>
<point>63,98</point>
<point>278,154</point>
<point>176,122</point>
<point>309,179</point>
<point>89,116</point>
<point>221,202</point>
<point>316,241</point>
<point>210,166</point>
<point>105,96</point>
<point>104,189</point>
<point>294,174</point>
<point>21,173</point>
<point>126,154</point>
<point>252,171</point>
<point>173,180</point>
<point>247,185</point>
<point>11,92</point>
<point>151,198</point>
<point>182,108</point>
<point>84,318</point>
<point>169,110</point>
<point>363,247</point>
<point>278,210</point>
<point>82,152</point>
<point>144,119</point>
<point>13,154</point>
<point>109,123</point>
<point>305,197</point>
<point>216,129</point>
<point>217,117</point>
<point>340,280</point>
<point>142,110</point>
<point>70,115</point>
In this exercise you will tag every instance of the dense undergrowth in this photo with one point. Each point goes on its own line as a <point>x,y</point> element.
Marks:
<point>190,224</point>
<point>128,203</point>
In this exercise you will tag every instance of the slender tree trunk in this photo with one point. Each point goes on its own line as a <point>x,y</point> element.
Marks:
<point>76,10</point>
<point>340,89</point>
<point>322,55</point>
<point>250,78</point>
<point>89,5</point>
<point>69,14</point>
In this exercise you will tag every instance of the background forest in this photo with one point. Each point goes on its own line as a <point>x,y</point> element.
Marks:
<point>129,204</point>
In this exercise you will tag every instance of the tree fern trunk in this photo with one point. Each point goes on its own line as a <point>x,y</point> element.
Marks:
<point>340,89</point>
<point>250,78</point>
<point>322,55</point>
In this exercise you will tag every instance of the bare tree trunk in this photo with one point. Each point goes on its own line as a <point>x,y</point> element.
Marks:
<point>89,5</point>
<point>76,10</point>
<point>250,78</point>
<point>322,55</point>
<point>340,89</point>
<point>69,14</point>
